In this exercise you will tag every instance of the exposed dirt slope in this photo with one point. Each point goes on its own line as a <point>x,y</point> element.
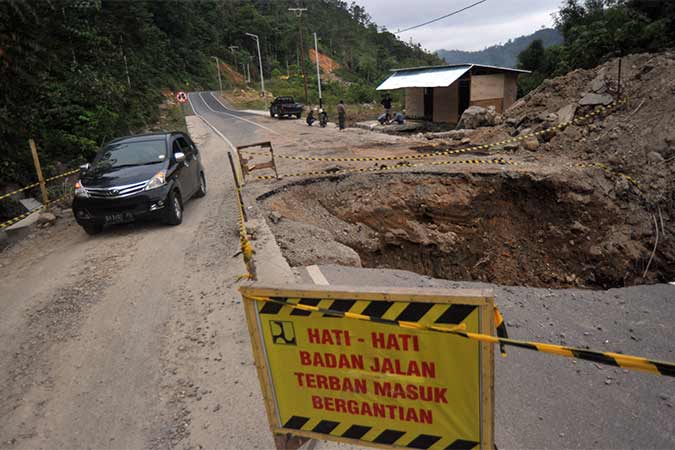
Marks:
<point>511,229</point>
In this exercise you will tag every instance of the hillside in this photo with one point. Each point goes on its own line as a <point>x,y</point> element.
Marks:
<point>503,55</point>
<point>76,74</point>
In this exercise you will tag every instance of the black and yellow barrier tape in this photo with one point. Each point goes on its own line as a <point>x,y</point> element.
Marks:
<point>500,325</point>
<point>65,174</point>
<point>499,161</point>
<point>608,358</point>
<point>608,170</point>
<point>31,186</point>
<point>25,188</point>
<point>560,126</point>
<point>244,242</point>
<point>32,211</point>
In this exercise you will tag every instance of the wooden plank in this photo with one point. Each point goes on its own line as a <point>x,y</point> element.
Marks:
<point>38,169</point>
<point>487,361</point>
<point>250,309</point>
<point>258,144</point>
<point>463,296</point>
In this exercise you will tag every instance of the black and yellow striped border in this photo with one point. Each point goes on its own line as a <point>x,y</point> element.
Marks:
<point>384,436</point>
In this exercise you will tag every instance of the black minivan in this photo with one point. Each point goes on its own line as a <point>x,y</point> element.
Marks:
<point>148,176</point>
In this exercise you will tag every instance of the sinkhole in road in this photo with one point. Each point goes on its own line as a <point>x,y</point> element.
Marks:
<point>554,230</point>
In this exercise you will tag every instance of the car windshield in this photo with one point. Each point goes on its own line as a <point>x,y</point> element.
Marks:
<point>131,154</point>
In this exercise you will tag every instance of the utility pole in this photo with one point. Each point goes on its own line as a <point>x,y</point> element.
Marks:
<point>318,73</point>
<point>220,81</point>
<point>298,12</point>
<point>262,78</point>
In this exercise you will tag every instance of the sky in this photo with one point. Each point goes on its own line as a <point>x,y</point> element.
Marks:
<point>484,25</point>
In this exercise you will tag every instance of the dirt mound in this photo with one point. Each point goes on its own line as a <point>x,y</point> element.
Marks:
<point>637,138</point>
<point>326,63</point>
<point>233,75</point>
<point>511,229</point>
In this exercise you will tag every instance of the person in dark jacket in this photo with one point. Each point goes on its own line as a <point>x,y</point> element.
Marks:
<point>310,117</point>
<point>342,114</point>
<point>386,103</point>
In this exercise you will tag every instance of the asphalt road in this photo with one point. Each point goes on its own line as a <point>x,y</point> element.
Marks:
<point>133,338</point>
<point>545,401</point>
<point>136,338</point>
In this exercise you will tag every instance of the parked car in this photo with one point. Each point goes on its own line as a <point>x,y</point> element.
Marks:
<point>149,176</point>
<point>286,106</point>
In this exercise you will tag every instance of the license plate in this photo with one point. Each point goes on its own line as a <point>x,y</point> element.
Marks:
<point>118,218</point>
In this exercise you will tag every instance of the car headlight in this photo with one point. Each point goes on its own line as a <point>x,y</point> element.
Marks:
<point>80,191</point>
<point>156,181</point>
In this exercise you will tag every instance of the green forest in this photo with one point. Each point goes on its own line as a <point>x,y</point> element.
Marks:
<point>77,73</point>
<point>595,31</point>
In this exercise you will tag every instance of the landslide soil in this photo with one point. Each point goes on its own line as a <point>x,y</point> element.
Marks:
<point>512,229</point>
<point>546,224</point>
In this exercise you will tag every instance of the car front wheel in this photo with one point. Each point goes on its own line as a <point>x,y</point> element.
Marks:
<point>92,229</point>
<point>201,192</point>
<point>174,209</point>
<point>271,113</point>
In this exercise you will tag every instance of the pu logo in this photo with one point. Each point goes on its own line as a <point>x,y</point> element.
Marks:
<point>282,332</point>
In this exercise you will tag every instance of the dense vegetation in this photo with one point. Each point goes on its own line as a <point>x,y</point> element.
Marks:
<point>503,55</point>
<point>597,30</point>
<point>76,73</point>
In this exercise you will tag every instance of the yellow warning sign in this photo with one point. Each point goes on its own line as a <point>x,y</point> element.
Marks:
<point>389,379</point>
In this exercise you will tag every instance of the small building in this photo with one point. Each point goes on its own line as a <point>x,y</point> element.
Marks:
<point>442,93</point>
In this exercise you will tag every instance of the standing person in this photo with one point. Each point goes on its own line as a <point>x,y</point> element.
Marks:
<point>342,114</point>
<point>386,103</point>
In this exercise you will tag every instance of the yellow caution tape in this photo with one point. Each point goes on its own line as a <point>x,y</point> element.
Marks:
<point>25,188</point>
<point>245,244</point>
<point>499,161</point>
<point>31,186</point>
<point>608,358</point>
<point>560,126</point>
<point>33,211</point>
<point>609,171</point>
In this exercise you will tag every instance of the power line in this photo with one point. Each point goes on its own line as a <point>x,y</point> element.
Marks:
<point>442,17</point>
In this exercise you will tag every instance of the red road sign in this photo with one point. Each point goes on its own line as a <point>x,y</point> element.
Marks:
<point>182,97</point>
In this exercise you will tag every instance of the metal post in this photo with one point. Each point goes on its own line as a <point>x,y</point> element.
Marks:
<point>618,90</point>
<point>38,169</point>
<point>232,49</point>
<point>236,184</point>
<point>220,81</point>
<point>318,73</point>
<point>262,77</point>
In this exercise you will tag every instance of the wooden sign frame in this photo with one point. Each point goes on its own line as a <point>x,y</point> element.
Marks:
<point>286,439</point>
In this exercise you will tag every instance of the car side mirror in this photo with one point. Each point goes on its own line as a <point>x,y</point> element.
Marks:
<point>85,167</point>
<point>179,157</point>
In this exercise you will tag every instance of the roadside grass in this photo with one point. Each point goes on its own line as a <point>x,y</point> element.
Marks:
<point>171,118</point>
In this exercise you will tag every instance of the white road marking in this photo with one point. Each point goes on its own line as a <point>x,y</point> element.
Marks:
<point>232,115</point>
<point>234,153</point>
<point>210,125</point>
<point>316,275</point>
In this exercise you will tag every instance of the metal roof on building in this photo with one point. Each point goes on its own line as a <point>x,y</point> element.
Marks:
<point>432,76</point>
